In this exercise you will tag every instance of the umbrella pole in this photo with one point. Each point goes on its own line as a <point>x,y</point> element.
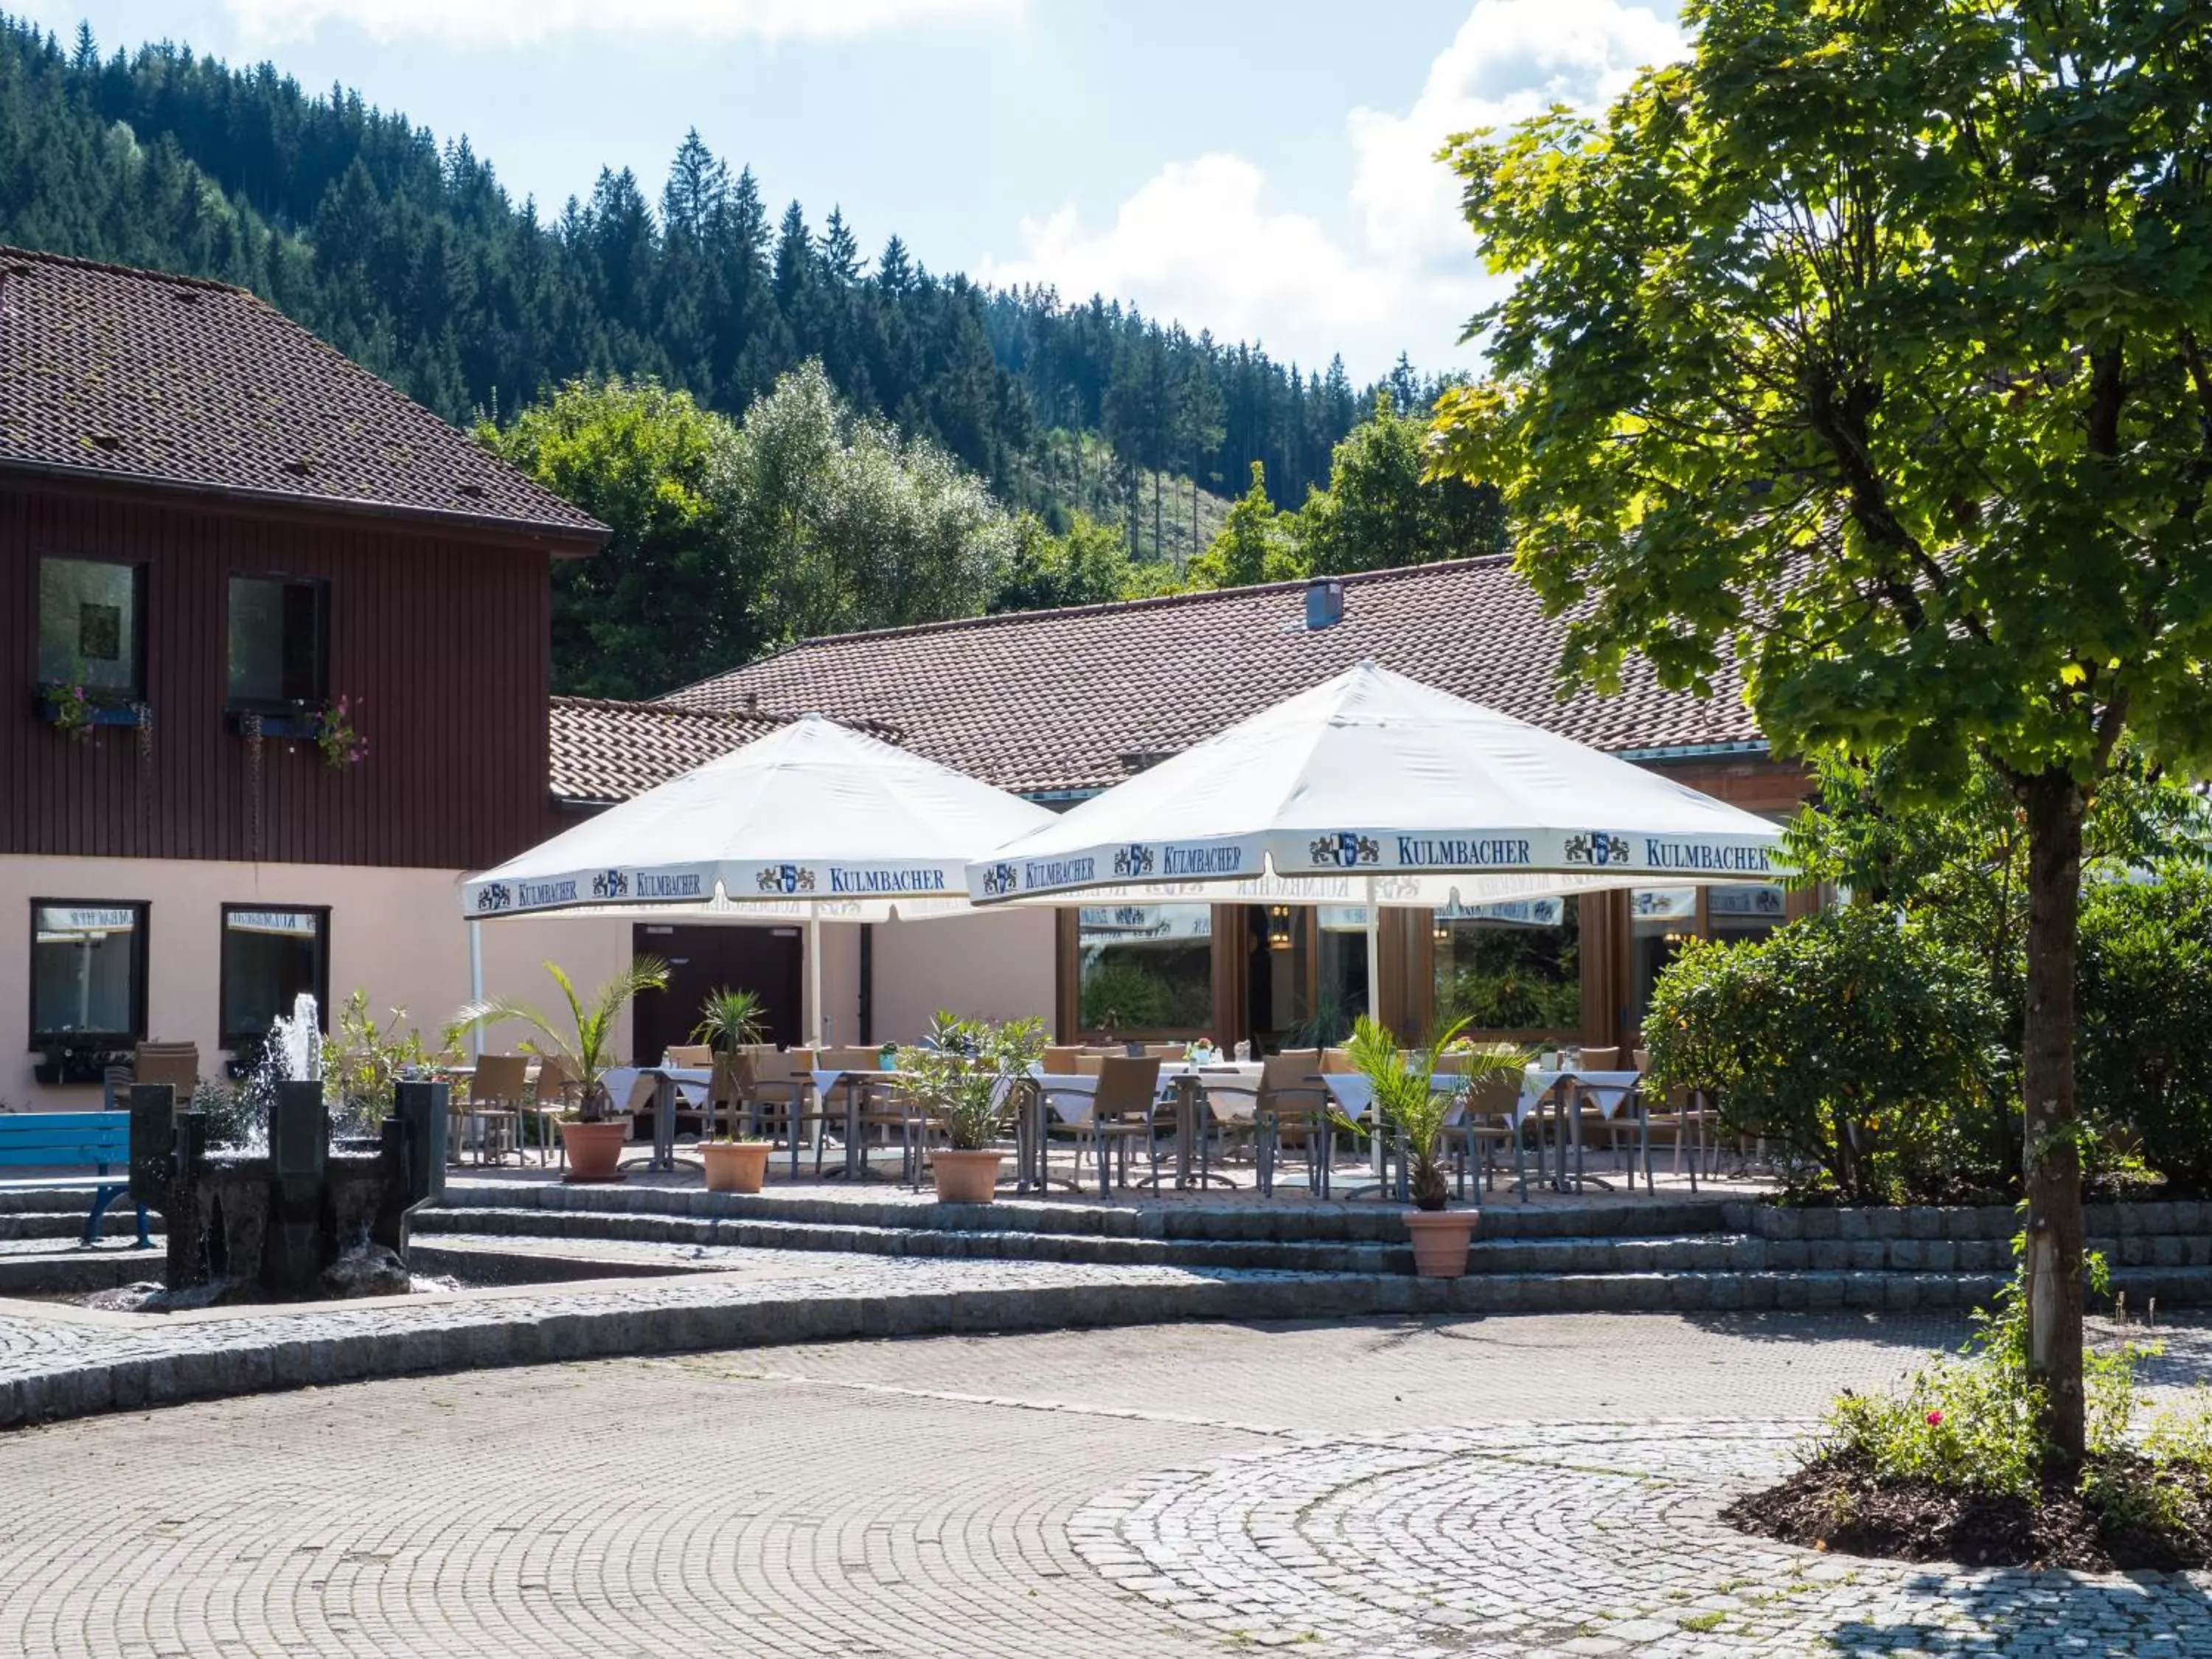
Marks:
<point>475,986</point>
<point>814,972</point>
<point>1374,961</point>
<point>1375,1013</point>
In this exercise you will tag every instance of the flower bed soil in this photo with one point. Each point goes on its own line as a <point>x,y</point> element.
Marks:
<point>1837,1503</point>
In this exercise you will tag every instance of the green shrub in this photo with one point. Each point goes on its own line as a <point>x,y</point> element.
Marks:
<point>2144,1010</point>
<point>1857,1045</point>
<point>1971,1421</point>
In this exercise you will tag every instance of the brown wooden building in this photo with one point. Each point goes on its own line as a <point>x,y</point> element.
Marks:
<point>216,534</point>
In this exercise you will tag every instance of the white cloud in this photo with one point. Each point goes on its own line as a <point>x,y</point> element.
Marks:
<point>1199,243</point>
<point>1511,59</point>
<point>521,21</point>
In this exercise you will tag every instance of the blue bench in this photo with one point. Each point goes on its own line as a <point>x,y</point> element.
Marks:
<point>59,1140</point>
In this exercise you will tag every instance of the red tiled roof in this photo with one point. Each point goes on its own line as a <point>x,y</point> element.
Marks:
<point>111,373</point>
<point>607,751</point>
<point>1077,699</point>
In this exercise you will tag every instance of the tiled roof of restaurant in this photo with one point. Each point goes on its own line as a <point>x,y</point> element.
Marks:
<point>607,751</point>
<point>108,372</point>
<point>1078,699</point>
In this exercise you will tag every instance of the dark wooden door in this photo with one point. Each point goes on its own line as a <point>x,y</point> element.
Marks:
<point>702,960</point>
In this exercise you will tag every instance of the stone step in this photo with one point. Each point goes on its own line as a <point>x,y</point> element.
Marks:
<point>1288,1220</point>
<point>960,1244</point>
<point>1694,1253</point>
<point>75,1271</point>
<point>16,1199</point>
<point>120,1221</point>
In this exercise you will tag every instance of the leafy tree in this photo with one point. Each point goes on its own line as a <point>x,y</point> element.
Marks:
<point>1866,345</point>
<point>637,457</point>
<point>1254,545</point>
<point>839,522</point>
<point>1045,572</point>
<point>1381,509</point>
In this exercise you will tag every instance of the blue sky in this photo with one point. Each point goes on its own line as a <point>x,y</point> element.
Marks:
<point>1258,167</point>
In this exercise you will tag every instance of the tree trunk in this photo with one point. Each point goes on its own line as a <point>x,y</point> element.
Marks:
<point>2052,1163</point>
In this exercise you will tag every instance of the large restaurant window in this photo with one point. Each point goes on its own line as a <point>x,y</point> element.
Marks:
<point>1510,967</point>
<point>1145,967</point>
<point>269,957</point>
<point>88,971</point>
<point>278,630</point>
<point>1660,921</point>
<point>88,626</point>
<point>1279,961</point>
<point>1342,992</point>
<point>1745,912</point>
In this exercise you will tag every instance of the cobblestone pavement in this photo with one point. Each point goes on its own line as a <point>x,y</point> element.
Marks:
<point>1507,1485</point>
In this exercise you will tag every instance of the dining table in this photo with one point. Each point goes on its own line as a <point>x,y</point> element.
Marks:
<point>855,1083</point>
<point>1064,1095</point>
<point>1567,1091</point>
<point>621,1081</point>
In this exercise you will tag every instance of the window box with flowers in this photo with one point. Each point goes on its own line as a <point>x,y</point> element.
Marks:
<point>330,727</point>
<point>76,712</point>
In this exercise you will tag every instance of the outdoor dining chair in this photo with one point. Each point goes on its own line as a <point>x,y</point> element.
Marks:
<point>784,1099</point>
<point>1485,1125</point>
<point>490,1114</point>
<point>1122,1109</point>
<point>177,1064</point>
<point>557,1091</point>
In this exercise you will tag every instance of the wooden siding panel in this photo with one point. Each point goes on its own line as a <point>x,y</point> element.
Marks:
<point>440,643</point>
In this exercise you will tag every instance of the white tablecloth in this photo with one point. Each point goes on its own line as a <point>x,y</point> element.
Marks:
<point>1605,1090</point>
<point>691,1082</point>
<point>1354,1093</point>
<point>824,1081</point>
<point>1069,1110</point>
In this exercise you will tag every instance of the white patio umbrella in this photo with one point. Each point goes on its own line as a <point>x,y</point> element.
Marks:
<point>813,821</point>
<point>1372,788</point>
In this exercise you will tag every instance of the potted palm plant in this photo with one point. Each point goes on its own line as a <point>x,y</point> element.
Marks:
<point>1407,1100</point>
<point>583,1044</point>
<point>729,1020</point>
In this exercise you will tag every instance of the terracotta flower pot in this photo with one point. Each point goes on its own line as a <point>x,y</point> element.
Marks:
<point>1440,1241</point>
<point>966,1177</point>
<point>594,1149</point>
<point>735,1166</point>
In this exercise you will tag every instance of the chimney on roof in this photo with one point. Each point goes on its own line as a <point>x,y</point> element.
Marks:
<point>1324,603</point>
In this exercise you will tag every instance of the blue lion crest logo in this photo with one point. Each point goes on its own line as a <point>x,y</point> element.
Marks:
<point>610,884</point>
<point>1597,846</point>
<point>1346,850</point>
<point>1134,860</point>
<point>998,879</point>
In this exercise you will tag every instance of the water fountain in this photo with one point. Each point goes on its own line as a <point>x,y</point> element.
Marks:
<point>293,1211</point>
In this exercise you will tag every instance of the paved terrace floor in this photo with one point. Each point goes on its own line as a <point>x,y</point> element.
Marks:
<point>1522,1486</point>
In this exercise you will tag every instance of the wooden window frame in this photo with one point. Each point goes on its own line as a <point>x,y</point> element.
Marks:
<point>142,934</point>
<point>234,1039</point>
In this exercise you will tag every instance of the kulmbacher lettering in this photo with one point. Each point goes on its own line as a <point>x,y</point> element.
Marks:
<point>1058,872</point>
<point>1450,853</point>
<point>536,893</point>
<point>1205,860</point>
<point>886,881</point>
<point>1691,856</point>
